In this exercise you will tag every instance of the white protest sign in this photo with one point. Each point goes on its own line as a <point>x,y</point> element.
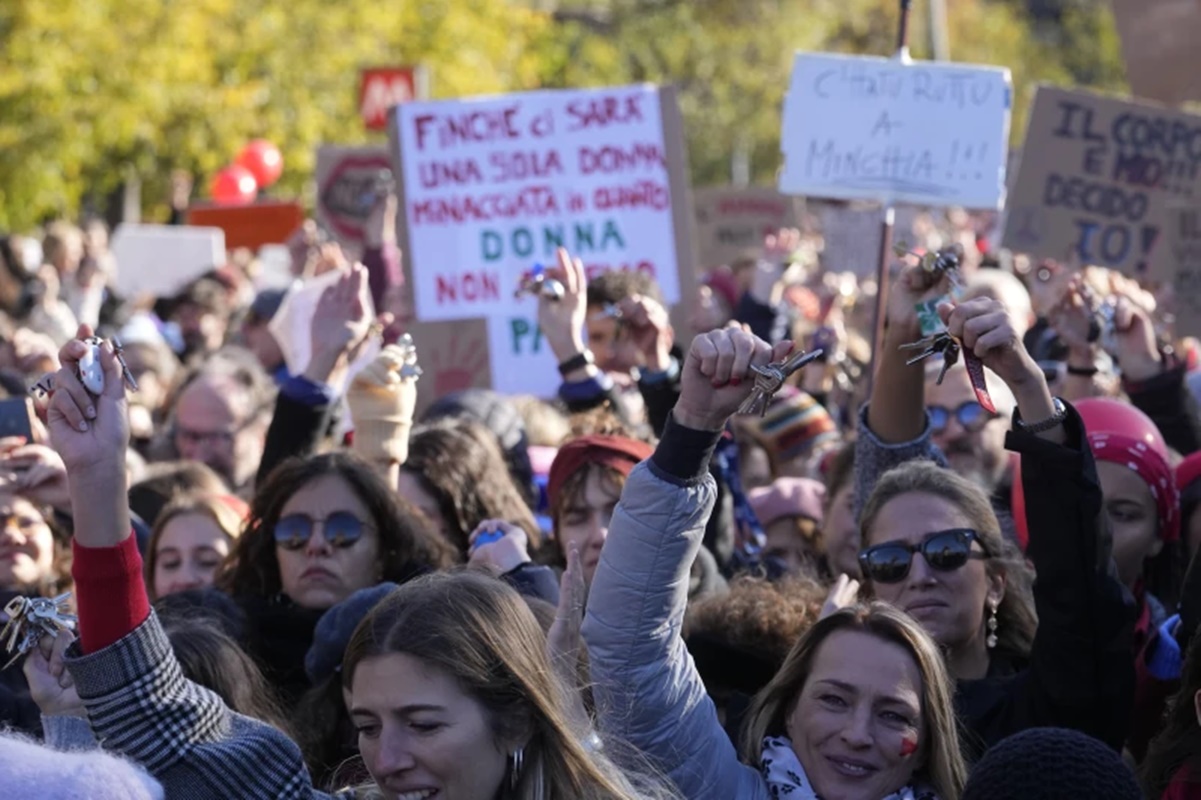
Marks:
<point>292,325</point>
<point>520,358</point>
<point>864,128</point>
<point>160,260</point>
<point>492,186</point>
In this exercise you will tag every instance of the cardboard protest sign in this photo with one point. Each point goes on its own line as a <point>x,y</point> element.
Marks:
<point>1097,178</point>
<point>264,222</point>
<point>1183,271</point>
<point>863,128</point>
<point>160,260</point>
<point>1159,45</point>
<point>851,238</point>
<point>731,221</point>
<point>491,187</point>
<point>349,180</point>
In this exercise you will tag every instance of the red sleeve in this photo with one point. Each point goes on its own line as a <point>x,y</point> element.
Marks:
<point>109,592</point>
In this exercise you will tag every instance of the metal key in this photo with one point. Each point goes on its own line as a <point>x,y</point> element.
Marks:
<point>930,345</point>
<point>770,379</point>
<point>950,355</point>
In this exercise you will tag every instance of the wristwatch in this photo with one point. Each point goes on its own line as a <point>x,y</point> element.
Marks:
<point>578,361</point>
<point>1061,413</point>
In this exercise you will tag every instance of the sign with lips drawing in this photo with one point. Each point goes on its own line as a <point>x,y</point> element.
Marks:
<point>350,181</point>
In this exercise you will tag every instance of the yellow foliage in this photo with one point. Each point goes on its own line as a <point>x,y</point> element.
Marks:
<point>92,91</point>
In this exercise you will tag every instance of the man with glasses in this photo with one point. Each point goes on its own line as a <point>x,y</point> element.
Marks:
<point>222,415</point>
<point>972,439</point>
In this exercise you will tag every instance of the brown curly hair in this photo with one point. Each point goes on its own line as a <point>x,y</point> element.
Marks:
<point>757,621</point>
<point>409,548</point>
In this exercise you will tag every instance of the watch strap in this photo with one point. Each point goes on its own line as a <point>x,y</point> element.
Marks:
<point>578,361</point>
<point>1061,413</point>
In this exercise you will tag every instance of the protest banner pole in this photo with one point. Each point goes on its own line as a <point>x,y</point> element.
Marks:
<point>888,216</point>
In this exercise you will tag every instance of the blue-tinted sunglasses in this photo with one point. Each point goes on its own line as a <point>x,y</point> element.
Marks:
<point>971,416</point>
<point>341,529</point>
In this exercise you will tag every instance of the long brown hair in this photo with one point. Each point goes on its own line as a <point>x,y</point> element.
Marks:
<point>1016,619</point>
<point>407,546</point>
<point>478,630</point>
<point>944,768</point>
<point>459,464</point>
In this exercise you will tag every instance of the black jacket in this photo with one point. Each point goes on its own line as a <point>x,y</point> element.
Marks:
<point>1080,671</point>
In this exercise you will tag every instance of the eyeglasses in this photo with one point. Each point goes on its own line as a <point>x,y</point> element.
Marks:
<point>944,551</point>
<point>341,529</point>
<point>204,437</point>
<point>971,416</point>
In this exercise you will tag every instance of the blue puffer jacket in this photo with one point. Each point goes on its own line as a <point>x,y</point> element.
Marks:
<point>647,690</point>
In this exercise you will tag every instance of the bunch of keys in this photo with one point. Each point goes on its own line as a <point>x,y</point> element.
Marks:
<point>91,373</point>
<point>409,350</point>
<point>936,262</point>
<point>31,618</point>
<point>949,347</point>
<point>537,284</point>
<point>770,379</point>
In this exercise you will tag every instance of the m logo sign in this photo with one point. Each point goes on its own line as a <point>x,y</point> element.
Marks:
<point>380,88</point>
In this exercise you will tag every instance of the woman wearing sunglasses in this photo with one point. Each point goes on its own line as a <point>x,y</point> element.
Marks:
<point>861,708</point>
<point>319,529</point>
<point>933,547</point>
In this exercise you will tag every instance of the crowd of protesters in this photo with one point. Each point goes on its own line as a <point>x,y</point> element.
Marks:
<point>904,582</point>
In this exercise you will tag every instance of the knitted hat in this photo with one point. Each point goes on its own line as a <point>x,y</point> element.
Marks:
<point>788,497</point>
<point>335,628</point>
<point>794,427</point>
<point>616,452</point>
<point>1051,764</point>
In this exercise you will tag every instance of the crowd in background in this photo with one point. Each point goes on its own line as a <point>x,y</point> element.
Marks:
<point>906,581</point>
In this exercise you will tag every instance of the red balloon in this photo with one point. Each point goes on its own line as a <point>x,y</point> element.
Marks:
<point>264,161</point>
<point>233,186</point>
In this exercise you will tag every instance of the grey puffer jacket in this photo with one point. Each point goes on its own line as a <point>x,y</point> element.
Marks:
<point>647,690</point>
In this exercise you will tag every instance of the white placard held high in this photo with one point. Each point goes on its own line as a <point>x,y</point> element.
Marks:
<point>864,128</point>
<point>493,185</point>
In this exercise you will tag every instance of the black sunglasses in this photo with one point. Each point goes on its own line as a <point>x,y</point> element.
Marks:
<point>943,550</point>
<point>970,415</point>
<point>341,529</point>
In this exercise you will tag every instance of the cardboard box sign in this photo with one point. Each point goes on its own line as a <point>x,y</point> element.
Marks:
<point>1159,45</point>
<point>731,221</point>
<point>1098,178</point>
<point>864,128</point>
<point>348,182</point>
<point>265,222</point>
<point>490,187</point>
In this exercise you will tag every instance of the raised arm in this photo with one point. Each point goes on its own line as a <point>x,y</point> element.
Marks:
<point>648,691</point>
<point>137,700</point>
<point>893,427</point>
<point>1081,672</point>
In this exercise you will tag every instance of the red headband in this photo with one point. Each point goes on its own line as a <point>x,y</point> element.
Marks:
<point>1152,468</point>
<point>615,452</point>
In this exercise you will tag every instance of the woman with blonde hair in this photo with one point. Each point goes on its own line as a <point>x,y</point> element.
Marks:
<point>861,709</point>
<point>191,537</point>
